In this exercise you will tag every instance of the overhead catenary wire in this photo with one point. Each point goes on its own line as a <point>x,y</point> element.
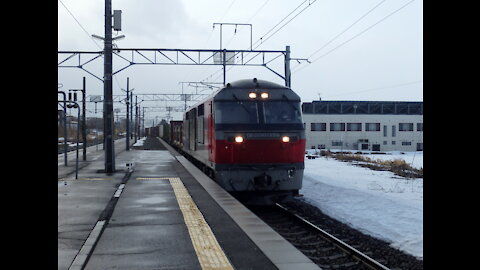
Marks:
<point>355,36</point>
<point>81,26</point>
<point>213,28</point>
<point>261,40</point>
<point>346,29</point>
<point>378,88</point>
<point>249,20</point>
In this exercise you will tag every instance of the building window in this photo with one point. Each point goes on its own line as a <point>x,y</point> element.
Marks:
<point>354,126</point>
<point>337,143</point>
<point>406,143</point>
<point>405,127</point>
<point>419,126</point>
<point>337,126</point>
<point>384,142</point>
<point>394,142</point>
<point>372,126</point>
<point>384,131</point>
<point>394,131</point>
<point>321,146</point>
<point>318,126</point>
<point>419,146</point>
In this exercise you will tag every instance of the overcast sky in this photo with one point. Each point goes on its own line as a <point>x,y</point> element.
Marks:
<point>359,50</point>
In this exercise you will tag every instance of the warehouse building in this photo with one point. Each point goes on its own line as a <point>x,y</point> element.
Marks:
<point>364,125</point>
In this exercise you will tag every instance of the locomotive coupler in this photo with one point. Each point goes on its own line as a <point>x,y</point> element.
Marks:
<point>262,181</point>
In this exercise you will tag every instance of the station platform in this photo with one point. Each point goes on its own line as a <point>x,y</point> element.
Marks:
<point>162,213</point>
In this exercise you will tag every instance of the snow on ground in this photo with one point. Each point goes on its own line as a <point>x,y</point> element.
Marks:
<point>140,142</point>
<point>377,203</point>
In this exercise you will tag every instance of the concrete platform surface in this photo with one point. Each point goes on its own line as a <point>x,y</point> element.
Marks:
<point>165,214</point>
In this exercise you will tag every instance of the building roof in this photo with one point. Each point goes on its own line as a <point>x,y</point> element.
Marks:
<point>363,107</point>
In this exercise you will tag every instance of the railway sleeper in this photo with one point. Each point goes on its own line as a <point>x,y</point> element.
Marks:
<point>326,249</point>
<point>286,233</point>
<point>340,266</point>
<point>311,244</point>
<point>336,256</point>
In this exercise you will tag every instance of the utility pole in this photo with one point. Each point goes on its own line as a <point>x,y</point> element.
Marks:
<point>84,120</point>
<point>224,66</point>
<point>288,74</point>
<point>143,121</point>
<point>136,118</point>
<point>131,117</point>
<point>128,117</point>
<point>107,92</point>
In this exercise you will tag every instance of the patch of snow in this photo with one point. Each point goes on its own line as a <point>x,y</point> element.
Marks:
<point>140,142</point>
<point>377,203</point>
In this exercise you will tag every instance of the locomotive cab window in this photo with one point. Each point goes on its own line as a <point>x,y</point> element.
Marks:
<point>282,112</point>
<point>236,112</point>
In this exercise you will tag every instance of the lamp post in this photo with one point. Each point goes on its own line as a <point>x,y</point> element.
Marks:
<point>65,126</point>
<point>84,120</point>
<point>75,105</point>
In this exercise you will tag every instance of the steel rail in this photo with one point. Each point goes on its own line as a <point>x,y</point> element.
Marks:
<point>339,243</point>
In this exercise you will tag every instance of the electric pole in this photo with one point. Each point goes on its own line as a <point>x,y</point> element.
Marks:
<point>84,120</point>
<point>107,92</point>
<point>128,116</point>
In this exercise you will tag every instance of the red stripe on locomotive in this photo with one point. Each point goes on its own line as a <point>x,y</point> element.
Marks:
<point>258,151</point>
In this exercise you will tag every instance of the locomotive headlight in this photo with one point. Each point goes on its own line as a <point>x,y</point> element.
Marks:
<point>252,95</point>
<point>264,95</point>
<point>239,139</point>
<point>285,139</point>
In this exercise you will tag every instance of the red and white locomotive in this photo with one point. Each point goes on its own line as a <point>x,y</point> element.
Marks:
<point>250,138</point>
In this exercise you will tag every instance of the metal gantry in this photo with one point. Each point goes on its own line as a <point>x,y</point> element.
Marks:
<point>157,56</point>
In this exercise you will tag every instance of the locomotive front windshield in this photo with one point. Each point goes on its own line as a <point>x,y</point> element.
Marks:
<point>282,112</point>
<point>253,112</point>
<point>236,112</point>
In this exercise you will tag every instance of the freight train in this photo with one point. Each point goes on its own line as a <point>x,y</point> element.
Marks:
<point>248,137</point>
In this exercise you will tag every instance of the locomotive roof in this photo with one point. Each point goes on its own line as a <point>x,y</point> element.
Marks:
<point>228,91</point>
<point>252,84</point>
<point>232,90</point>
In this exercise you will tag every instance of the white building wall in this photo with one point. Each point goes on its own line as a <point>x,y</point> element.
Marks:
<point>350,138</point>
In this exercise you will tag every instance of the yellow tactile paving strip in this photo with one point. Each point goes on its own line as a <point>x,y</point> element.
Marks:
<point>84,178</point>
<point>209,253</point>
<point>156,178</point>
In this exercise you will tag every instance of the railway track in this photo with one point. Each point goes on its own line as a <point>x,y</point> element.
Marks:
<point>324,249</point>
<point>324,240</point>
